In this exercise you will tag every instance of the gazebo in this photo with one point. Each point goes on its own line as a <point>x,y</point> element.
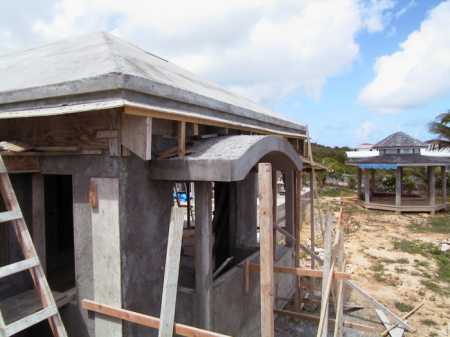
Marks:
<point>396,152</point>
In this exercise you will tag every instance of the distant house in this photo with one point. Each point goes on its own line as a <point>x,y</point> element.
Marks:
<point>395,152</point>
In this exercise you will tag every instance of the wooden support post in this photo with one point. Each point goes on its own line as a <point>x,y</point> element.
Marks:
<point>171,271</point>
<point>431,187</point>
<point>274,209</point>
<point>312,178</point>
<point>398,187</point>
<point>326,281</point>
<point>444,185</point>
<point>298,182</point>
<point>181,139</point>
<point>203,253</point>
<point>340,262</point>
<point>372,180</point>
<point>38,217</point>
<point>265,218</point>
<point>359,183</point>
<point>366,186</point>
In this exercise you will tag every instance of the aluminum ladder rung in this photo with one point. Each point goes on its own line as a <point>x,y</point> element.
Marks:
<point>10,216</point>
<point>18,267</point>
<point>29,321</point>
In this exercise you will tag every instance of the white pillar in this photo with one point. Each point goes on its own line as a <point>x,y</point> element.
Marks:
<point>398,187</point>
<point>366,186</point>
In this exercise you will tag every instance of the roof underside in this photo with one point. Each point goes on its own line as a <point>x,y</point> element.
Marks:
<point>399,139</point>
<point>226,159</point>
<point>402,159</point>
<point>79,71</point>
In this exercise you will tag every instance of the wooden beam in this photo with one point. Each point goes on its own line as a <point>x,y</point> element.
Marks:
<point>190,117</point>
<point>136,135</point>
<point>144,320</point>
<point>38,217</point>
<point>340,262</point>
<point>312,178</point>
<point>328,270</point>
<point>170,285</point>
<point>265,220</point>
<point>203,253</point>
<point>431,186</point>
<point>181,137</point>
<point>311,317</point>
<point>107,253</point>
<point>359,183</point>
<point>21,164</point>
<point>254,267</point>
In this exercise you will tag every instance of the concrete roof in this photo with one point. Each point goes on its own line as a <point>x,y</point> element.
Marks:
<point>64,73</point>
<point>227,158</point>
<point>399,139</point>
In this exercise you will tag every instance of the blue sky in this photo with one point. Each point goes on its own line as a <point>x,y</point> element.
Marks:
<point>353,70</point>
<point>334,119</point>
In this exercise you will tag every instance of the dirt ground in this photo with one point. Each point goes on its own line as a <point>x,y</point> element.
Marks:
<point>398,260</point>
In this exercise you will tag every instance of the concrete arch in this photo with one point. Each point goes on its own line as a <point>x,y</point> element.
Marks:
<point>227,159</point>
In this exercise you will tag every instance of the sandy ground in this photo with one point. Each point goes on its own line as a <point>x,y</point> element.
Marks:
<point>392,276</point>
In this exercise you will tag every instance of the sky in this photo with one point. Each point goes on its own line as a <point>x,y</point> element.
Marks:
<point>354,71</point>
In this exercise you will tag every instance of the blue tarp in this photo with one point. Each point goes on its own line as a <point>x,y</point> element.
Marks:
<point>374,166</point>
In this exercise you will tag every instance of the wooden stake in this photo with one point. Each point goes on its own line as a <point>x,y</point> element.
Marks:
<point>181,139</point>
<point>170,286</point>
<point>265,217</point>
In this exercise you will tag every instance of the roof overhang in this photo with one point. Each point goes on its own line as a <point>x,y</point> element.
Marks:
<point>227,159</point>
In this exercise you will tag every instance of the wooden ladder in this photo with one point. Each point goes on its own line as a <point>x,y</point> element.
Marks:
<point>49,310</point>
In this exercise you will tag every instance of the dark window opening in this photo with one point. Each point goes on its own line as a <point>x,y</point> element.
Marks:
<point>59,232</point>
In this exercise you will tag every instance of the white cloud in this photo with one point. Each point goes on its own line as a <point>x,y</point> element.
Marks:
<point>263,48</point>
<point>364,131</point>
<point>418,72</point>
<point>377,14</point>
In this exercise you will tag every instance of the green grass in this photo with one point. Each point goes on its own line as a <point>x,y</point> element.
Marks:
<point>428,250</point>
<point>428,322</point>
<point>334,192</point>
<point>403,307</point>
<point>437,224</point>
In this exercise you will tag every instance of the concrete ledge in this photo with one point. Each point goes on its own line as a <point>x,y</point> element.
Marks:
<point>226,159</point>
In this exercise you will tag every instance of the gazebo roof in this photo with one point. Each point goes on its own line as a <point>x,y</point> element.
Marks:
<point>415,159</point>
<point>399,139</point>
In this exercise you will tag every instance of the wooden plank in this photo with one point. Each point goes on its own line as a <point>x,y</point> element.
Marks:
<point>38,217</point>
<point>297,229</point>
<point>203,253</point>
<point>170,285</point>
<point>265,220</point>
<point>254,267</point>
<point>394,332</point>
<point>312,317</point>
<point>10,216</point>
<point>21,164</point>
<point>136,135</point>
<point>189,117</point>
<point>181,139</point>
<point>312,222</point>
<point>328,269</point>
<point>339,325</point>
<point>29,321</point>
<point>18,267</point>
<point>145,320</point>
<point>106,253</point>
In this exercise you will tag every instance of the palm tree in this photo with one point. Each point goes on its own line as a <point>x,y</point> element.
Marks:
<point>441,127</point>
